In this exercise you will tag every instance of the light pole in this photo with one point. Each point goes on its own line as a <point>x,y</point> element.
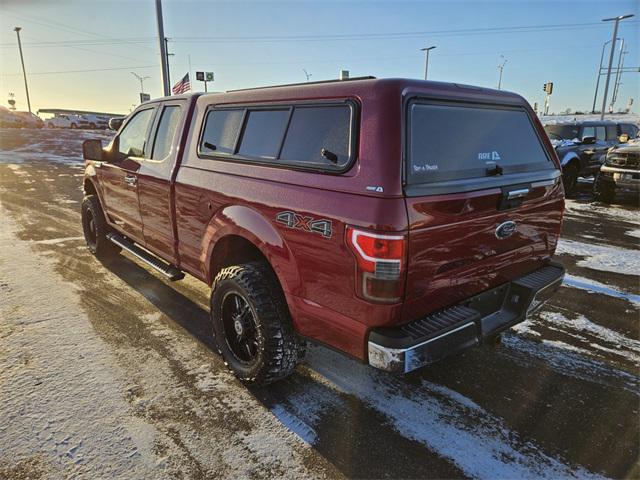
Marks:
<point>501,68</point>
<point>24,72</point>
<point>616,83</point>
<point>141,79</point>
<point>595,95</point>
<point>613,47</point>
<point>426,60</point>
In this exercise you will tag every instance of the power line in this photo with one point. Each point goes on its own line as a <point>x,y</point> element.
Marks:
<point>79,71</point>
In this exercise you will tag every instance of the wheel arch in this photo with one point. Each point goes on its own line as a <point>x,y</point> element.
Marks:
<point>569,158</point>
<point>240,234</point>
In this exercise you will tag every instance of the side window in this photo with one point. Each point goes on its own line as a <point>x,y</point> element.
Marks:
<point>601,134</point>
<point>221,130</point>
<point>588,132</point>
<point>166,132</point>
<point>263,133</point>
<point>314,130</point>
<point>612,132</point>
<point>132,139</point>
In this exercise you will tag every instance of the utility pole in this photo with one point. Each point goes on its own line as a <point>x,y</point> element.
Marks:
<point>426,60</point>
<point>306,74</point>
<point>613,47</point>
<point>616,83</point>
<point>595,95</point>
<point>24,72</point>
<point>163,50</point>
<point>501,68</point>
<point>166,46</point>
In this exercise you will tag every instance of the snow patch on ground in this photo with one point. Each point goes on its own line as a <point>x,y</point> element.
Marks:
<point>444,421</point>
<point>602,257</point>
<point>633,233</point>
<point>60,391</point>
<point>622,345</point>
<point>597,287</point>
<point>604,211</point>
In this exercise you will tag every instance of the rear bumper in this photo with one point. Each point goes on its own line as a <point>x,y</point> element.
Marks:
<point>463,326</point>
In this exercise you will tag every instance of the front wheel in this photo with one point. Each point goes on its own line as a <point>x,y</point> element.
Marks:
<point>95,228</point>
<point>603,191</point>
<point>252,325</point>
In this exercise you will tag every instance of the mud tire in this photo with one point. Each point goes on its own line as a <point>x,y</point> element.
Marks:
<point>603,192</point>
<point>278,347</point>
<point>96,235</point>
<point>570,179</point>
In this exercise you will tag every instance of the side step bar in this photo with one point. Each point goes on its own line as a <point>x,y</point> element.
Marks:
<point>169,271</point>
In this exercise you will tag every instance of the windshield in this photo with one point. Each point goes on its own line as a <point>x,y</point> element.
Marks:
<point>455,142</point>
<point>562,132</point>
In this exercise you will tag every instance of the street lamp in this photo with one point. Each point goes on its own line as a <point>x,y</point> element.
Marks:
<point>613,47</point>
<point>595,95</point>
<point>501,68</point>
<point>24,72</point>
<point>426,62</point>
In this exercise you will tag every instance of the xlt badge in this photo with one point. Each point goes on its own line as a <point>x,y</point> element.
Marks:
<point>308,224</point>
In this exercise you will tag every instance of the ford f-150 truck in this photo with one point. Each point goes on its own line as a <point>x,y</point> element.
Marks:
<point>397,221</point>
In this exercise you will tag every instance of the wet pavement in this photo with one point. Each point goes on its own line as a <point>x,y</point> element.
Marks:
<point>108,371</point>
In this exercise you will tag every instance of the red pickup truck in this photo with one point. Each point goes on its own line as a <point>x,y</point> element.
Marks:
<point>397,221</point>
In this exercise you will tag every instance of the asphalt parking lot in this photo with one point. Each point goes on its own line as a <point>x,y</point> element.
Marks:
<point>108,371</point>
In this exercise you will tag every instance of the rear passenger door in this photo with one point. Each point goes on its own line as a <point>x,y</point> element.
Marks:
<point>119,176</point>
<point>154,180</point>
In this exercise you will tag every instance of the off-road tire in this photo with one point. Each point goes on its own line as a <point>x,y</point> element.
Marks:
<point>603,192</point>
<point>570,179</point>
<point>96,237</point>
<point>279,348</point>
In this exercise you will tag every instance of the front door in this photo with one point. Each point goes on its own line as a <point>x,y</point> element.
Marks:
<point>119,176</point>
<point>154,181</point>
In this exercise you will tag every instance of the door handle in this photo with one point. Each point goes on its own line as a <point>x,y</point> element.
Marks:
<point>130,180</point>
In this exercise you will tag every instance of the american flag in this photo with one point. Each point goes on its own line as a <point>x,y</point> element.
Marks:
<point>182,86</point>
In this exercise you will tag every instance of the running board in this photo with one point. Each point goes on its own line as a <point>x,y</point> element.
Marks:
<point>169,271</point>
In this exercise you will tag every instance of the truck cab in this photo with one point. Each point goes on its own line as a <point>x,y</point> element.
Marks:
<point>398,221</point>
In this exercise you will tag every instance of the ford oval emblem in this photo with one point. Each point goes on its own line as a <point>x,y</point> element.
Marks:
<point>505,229</point>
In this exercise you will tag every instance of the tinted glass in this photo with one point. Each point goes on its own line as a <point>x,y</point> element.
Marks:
<point>166,131</point>
<point>457,142</point>
<point>629,129</point>
<point>601,133</point>
<point>263,133</point>
<point>132,140</point>
<point>562,132</point>
<point>588,132</point>
<point>612,132</point>
<point>221,130</point>
<point>315,128</point>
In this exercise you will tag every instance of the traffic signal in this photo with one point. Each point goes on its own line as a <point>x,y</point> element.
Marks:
<point>548,88</point>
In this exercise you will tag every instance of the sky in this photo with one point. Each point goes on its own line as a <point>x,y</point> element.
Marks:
<point>80,54</point>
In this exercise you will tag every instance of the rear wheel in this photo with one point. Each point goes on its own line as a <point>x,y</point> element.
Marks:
<point>95,228</point>
<point>252,325</point>
<point>570,179</point>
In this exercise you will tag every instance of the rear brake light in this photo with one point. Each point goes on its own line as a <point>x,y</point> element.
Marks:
<point>380,259</point>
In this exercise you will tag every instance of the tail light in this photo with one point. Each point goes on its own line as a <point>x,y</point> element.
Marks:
<point>381,263</point>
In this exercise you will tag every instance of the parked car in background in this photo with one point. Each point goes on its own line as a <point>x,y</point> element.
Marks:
<point>620,172</point>
<point>65,121</point>
<point>339,212</point>
<point>581,147</point>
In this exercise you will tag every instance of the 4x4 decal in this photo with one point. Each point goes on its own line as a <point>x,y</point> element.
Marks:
<point>308,224</point>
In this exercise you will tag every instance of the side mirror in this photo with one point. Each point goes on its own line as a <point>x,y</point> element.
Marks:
<point>624,138</point>
<point>588,140</point>
<point>92,150</point>
<point>115,123</point>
